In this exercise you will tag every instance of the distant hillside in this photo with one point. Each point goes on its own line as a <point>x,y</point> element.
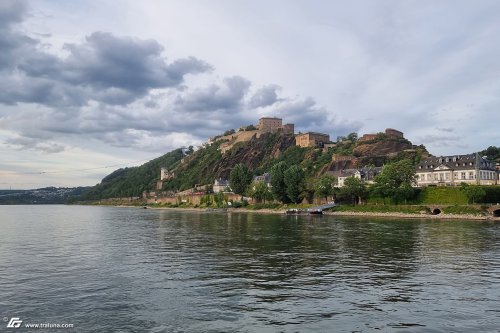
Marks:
<point>41,196</point>
<point>130,182</point>
<point>259,153</point>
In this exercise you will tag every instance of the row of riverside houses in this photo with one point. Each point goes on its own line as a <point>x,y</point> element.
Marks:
<point>457,169</point>
<point>439,171</point>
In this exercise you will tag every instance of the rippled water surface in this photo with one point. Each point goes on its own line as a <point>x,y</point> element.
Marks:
<point>134,270</point>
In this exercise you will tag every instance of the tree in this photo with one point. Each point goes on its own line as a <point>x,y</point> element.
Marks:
<point>474,193</point>
<point>294,179</point>
<point>229,132</point>
<point>324,186</point>
<point>493,153</point>
<point>395,181</point>
<point>278,188</point>
<point>260,192</point>
<point>352,136</point>
<point>240,178</point>
<point>354,188</point>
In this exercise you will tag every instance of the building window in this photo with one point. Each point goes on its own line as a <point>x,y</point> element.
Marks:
<point>463,175</point>
<point>447,176</point>
<point>455,175</point>
<point>471,175</point>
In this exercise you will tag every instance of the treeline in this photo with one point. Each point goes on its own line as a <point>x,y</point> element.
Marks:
<point>492,152</point>
<point>393,185</point>
<point>41,196</point>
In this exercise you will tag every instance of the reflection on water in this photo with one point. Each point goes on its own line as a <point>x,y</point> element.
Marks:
<point>132,270</point>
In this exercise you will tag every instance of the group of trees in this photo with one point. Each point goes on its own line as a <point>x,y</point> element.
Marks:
<point>395,182</point>
<point>287,183</point>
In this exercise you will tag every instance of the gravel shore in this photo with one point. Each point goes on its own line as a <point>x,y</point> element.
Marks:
<point>367,214</point>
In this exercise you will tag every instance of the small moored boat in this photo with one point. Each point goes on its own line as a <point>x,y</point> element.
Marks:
<point>294,211</point>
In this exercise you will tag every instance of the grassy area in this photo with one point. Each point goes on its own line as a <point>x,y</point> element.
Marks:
<point>473,210</point>
<point>442,195</point>
<point>406,209</point>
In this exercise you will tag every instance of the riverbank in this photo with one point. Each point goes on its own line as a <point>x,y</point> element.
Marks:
<point>346,213</point>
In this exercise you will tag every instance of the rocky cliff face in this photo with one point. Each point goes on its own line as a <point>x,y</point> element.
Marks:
<point>253,152</point>
<point>381,148</point>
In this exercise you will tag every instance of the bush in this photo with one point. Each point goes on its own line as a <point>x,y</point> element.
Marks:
<point>271,205</point>
<point>463,210</point>
<point>406,209</point>
<point>492,194</point>
<point>442,195</point>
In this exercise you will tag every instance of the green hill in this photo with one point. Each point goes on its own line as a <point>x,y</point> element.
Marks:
<point>206,164</point>
<point>130,182</point>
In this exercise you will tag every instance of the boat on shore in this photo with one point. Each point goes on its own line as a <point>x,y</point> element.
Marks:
<point>294,211</point>
<point>315,212</point>
<point>216,210</point>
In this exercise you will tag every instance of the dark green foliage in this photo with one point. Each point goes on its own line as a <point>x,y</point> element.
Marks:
<point>324,186</point>
<point>240,178</point>
<point>354,190</point>
<point>130,182</point>
<point>352,136</point>
<point>344,147</point>
<point>455,209</point>
<point>250,128</point>
<point>474,193</point>
<point>382,209</point>
<point>492,152</point>
<point>278,184</point>
<point>395,181</point>
<point>492,194</point>
<point>441,195</point>
<point>260,192</point>
<point>229,132</point>
<point>294,179</point>
<point>196,169</point>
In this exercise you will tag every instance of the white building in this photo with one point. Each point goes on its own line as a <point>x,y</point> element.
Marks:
<point>165,174</point>
<point>365,174</point>
<point>454,170</point>
<point>221,185</point>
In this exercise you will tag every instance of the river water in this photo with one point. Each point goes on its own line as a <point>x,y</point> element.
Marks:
<point>106,269</point>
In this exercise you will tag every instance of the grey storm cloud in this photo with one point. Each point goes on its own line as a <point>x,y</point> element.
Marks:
<point>227,97</point>
<point>23,143</point>
<point>307,115</point>
<point>107,61</point>
<point>11,11</point>
<point>265,96</point>
<point>102,89</point>
<point>104,68</point>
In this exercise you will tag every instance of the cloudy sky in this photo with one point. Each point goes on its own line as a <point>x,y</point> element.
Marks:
<point>90,86</point>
